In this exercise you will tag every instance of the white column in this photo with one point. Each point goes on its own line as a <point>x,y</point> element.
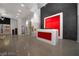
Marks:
<point>19,26</point>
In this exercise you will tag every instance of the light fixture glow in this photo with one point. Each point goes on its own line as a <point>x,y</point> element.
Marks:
<point>22,5</point>
<point>26,23</point>
<point>3,14</point>
<point>19,11</point>
<point>18,14</point>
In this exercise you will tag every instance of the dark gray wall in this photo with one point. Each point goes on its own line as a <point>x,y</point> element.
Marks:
<point>69,17</point>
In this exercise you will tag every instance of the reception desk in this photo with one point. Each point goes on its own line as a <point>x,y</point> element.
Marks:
<point>48,35</point>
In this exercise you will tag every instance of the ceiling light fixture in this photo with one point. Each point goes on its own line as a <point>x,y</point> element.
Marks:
<point>3,14</point>
<point>18,14</point>
<point>19,10</point>
<point>22,5</point>
<point>26,23</point>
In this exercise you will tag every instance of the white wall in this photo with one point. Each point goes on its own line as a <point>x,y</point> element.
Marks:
<point>36,16</point>
<point>36,19</point>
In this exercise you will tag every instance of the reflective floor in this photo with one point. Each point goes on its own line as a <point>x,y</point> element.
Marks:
<point>30,46</point>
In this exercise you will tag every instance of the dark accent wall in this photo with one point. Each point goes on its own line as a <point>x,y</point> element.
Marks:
<point>69,17</point>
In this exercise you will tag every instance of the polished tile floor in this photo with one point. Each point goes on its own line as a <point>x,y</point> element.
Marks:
<point>30,46</point>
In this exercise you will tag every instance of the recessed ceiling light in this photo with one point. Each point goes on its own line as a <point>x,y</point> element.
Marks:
<point>3,14</point>
<point>18,14</point>
<point>26,23</point>
<point>22,5</point>
<point>19,10</point>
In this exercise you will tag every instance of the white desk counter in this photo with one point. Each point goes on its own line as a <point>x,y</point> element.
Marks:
<point>48,35</point>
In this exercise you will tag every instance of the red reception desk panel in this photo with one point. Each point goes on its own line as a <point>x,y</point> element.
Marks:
<point>45,35</point>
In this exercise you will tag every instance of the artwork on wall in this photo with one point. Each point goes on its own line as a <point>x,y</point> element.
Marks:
<point>55,22</point>
<point>6,29</point>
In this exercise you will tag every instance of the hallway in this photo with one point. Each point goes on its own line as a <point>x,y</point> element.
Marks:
<point>21,23</point>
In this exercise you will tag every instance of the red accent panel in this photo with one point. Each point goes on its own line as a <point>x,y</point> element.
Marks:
<point>53,23</point>
<point>44,35</point>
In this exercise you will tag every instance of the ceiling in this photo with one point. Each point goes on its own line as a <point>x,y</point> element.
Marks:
<point>18,10</point>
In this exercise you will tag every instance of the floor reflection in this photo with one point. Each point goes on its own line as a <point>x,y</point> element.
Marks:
<point>26,45</point>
